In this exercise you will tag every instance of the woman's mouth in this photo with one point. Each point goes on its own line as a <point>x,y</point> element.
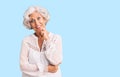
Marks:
<point>38,27</point>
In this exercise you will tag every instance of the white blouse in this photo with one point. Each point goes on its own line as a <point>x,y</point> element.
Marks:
<point>34,62</point>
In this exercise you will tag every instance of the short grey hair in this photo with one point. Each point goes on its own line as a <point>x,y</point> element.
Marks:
<point>32,9</point>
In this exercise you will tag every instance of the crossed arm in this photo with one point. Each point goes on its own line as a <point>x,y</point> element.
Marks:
<point>35,69</point>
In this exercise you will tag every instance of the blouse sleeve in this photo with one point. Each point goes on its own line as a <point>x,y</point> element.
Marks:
<point>54,50</point>
<point>26,67</point>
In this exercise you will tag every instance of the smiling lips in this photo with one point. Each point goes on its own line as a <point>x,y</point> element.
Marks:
<point>38,26</point>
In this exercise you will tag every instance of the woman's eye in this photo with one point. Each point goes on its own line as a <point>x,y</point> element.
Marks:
<point>38,18</point>
<point>32,21</point>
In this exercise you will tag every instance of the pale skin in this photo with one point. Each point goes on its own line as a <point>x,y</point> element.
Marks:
<point>38,24</point>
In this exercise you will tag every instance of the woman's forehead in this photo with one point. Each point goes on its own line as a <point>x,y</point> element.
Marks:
<point>35,14</point>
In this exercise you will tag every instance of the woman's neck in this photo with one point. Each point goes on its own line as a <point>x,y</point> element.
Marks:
<point>39,36</point>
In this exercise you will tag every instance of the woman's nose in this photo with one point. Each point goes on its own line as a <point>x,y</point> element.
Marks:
<point>37,23</point>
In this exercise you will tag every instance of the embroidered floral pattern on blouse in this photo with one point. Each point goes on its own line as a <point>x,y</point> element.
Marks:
<point>33,47</point>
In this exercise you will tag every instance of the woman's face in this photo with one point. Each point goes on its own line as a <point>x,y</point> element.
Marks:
<point>37,21</point>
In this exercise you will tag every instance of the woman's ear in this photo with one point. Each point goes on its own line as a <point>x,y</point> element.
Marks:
<point>31,27</point>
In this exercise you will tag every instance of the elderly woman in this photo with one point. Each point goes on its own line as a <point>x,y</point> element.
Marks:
<point>41,52</point>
